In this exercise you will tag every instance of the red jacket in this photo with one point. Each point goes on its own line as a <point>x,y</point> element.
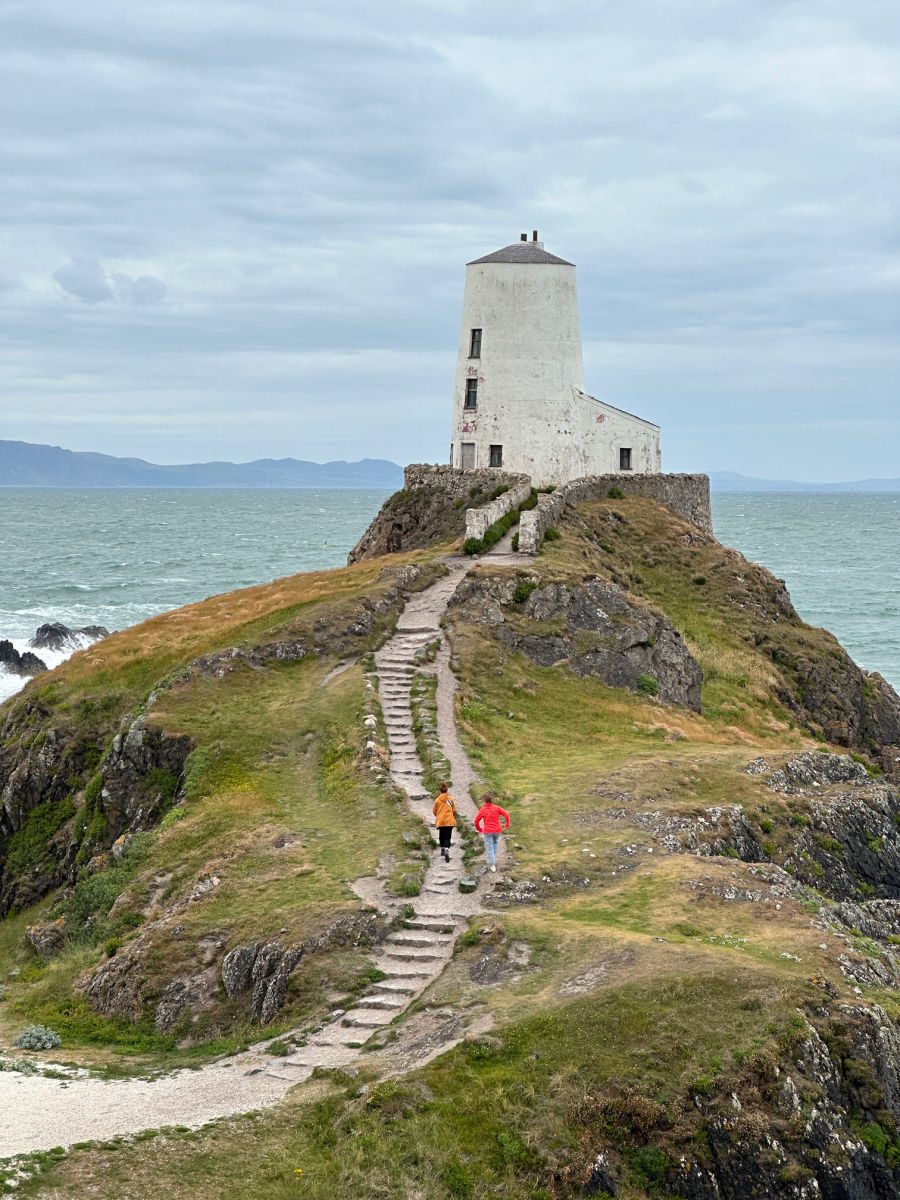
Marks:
<point>489,819</point>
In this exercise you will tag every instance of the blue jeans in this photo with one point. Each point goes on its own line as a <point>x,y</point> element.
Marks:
<point>491,842</point>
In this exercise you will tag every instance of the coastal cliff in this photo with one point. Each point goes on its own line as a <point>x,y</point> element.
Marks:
<point>687,978</point>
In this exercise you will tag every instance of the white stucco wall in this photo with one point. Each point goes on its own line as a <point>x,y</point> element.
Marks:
<point>530,373</point>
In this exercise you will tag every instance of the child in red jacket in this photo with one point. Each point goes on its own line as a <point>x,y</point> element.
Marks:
<point>491,820</point>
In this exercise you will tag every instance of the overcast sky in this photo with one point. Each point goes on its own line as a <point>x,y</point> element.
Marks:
<point>239,229</point>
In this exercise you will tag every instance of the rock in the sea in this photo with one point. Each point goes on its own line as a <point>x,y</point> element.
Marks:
<point>19,664</point>
<point>56,636</point>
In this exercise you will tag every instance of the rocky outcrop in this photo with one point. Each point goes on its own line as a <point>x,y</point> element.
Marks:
<point>431,508</point>
<point>835,697</point>
<point>126,985</point>
<point>594,628</point>
<point>818,1121</point>
<point>835,1105</point>
<point>136,780</point>
<point>846,842</point>
<point>19,664</point>
<point>262,970</point>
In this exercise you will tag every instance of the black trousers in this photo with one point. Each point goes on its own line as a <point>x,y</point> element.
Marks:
<point>445,832</point>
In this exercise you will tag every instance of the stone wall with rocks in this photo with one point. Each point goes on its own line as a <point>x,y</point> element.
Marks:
<point>430,508</point>
<point>479,520</point>
<point>685,495</point>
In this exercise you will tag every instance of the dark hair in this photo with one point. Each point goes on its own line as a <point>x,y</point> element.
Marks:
<point>487,798</point>
<point>442,788</point>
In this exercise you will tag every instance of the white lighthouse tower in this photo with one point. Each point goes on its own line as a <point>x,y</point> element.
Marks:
<point>519,401</point>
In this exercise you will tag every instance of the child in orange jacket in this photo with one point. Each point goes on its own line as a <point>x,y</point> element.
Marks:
<point>444,810</point>
<point>491,820</point>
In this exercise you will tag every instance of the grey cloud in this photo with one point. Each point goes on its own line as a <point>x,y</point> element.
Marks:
<point>310,183</point>
<point>85,279</point>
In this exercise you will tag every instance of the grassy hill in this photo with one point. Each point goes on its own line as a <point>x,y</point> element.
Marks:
<point>686,979</point>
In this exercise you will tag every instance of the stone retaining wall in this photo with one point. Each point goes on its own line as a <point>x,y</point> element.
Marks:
<point>456,481</point>
<point>685,495</point>
<point>479,520</point>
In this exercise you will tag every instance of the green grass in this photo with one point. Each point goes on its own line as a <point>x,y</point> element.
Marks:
<point>502,1115</point>
<point>280,809</point>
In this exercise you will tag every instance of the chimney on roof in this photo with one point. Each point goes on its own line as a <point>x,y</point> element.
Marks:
<point>534,235</point>
<point>523,237</point>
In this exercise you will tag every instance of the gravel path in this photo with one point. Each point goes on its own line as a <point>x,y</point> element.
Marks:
<point>37,1113</point>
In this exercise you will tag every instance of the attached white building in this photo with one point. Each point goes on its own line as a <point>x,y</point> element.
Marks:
<point>519,401</point>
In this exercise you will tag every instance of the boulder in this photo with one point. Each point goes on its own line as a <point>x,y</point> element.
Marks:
<point>47,938</point>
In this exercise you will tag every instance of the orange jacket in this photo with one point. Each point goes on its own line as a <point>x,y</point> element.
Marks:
<point>444,810</point>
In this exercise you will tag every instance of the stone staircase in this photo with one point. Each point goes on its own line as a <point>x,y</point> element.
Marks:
<point>413,956</point>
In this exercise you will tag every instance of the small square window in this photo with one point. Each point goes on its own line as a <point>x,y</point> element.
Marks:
<point>471,393</point>
<point>625,458</point>
<point>496,456</point>
<point>475,344</point>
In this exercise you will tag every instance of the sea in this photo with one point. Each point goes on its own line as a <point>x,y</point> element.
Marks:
<point>115,557</point>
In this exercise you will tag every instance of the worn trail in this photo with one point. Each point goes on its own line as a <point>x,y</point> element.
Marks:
<point>38,1113</point>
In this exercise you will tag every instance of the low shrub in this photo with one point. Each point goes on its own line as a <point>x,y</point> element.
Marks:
<point>515,542</point>
<point>647,685</point>
<point>615,493</point>
<point>473,546</point>
<point>524,588</point>
<point>552,535</point>
<point>38,1037</point>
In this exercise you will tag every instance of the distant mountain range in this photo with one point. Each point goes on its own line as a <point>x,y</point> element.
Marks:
<point>23,464</point>
<point>731,481</point>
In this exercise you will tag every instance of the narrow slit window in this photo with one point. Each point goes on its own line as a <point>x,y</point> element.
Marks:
<point>496,456</point>
<point>475,344</point>
<point>471,393</point>
<point>625,458</point>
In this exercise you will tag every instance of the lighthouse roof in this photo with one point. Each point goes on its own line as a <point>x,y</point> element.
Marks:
<point>522,252</point>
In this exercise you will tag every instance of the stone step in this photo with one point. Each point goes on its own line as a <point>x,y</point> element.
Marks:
<point>308,1057</point>
<point>399,985</point>
<point>431,909</point>
<point>439,924</point>
<point>398,971</point>
<point>388,1001</point>
<point>335,1034</point>
<point>414,954</point>
<point>367,1018</point>
<point>423,937</point>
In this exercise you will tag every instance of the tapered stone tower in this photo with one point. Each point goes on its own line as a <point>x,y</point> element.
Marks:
<point>519,402</point>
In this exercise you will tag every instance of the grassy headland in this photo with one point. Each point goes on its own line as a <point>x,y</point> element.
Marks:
<point>652,966</point>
